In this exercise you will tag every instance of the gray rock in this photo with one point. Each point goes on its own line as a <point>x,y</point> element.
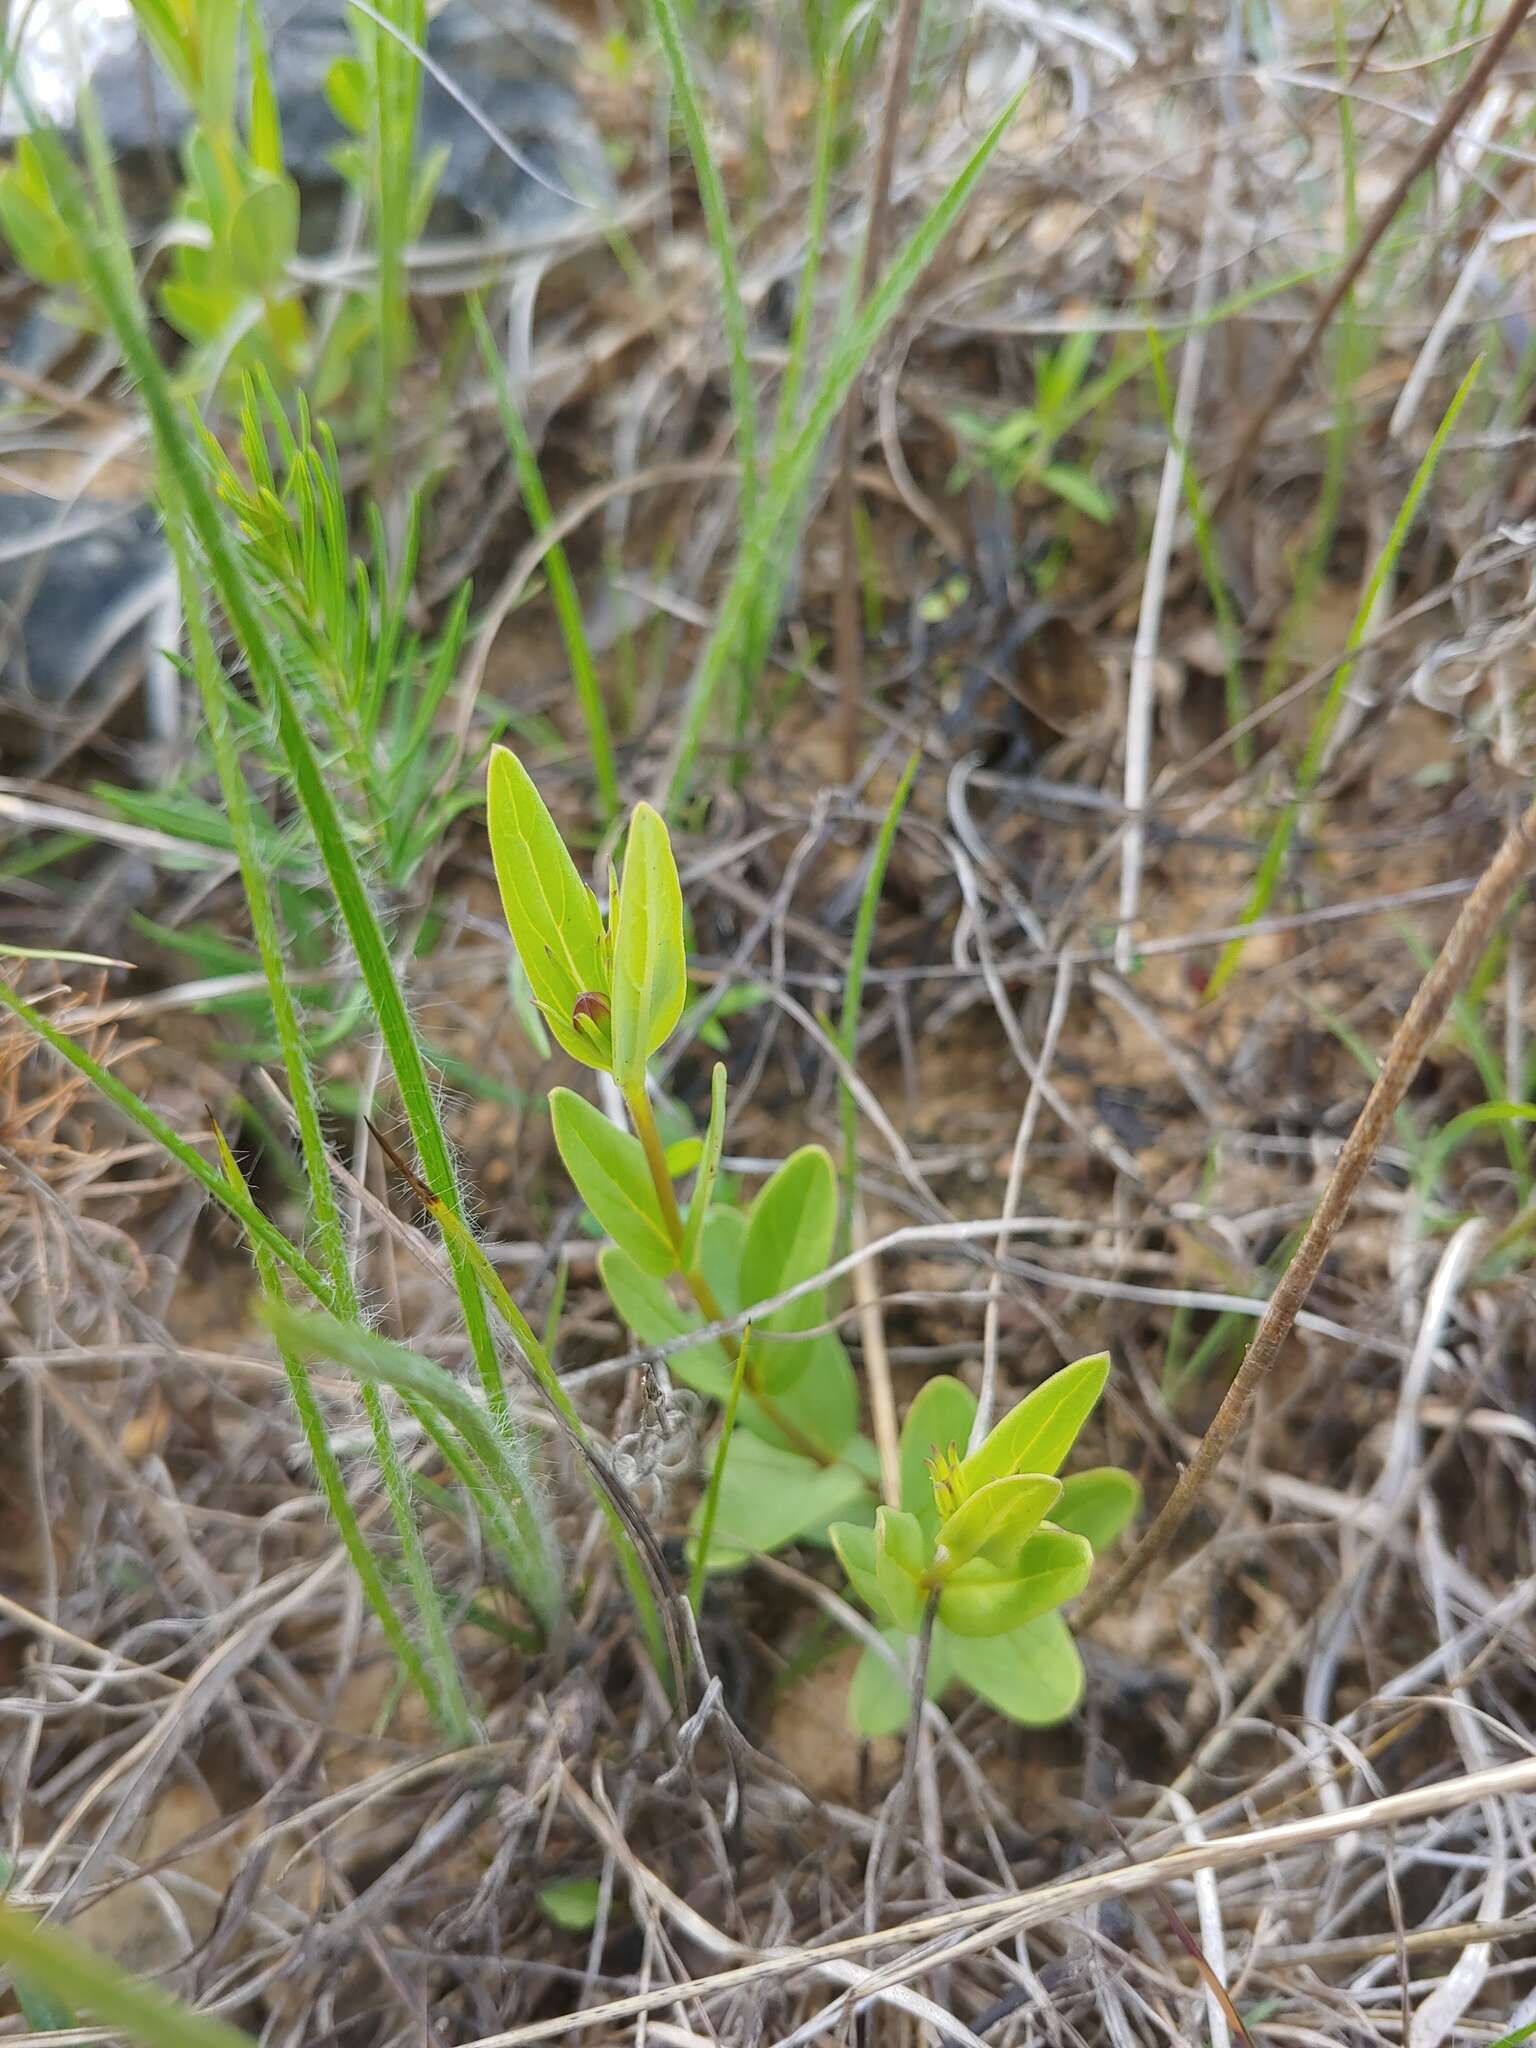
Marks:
<point>507,59</point>
<point>78,583</point>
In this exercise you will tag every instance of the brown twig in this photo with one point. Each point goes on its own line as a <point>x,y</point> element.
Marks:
<point>1454,112</point>
<point>846,612</point>
<point>1468,941</point>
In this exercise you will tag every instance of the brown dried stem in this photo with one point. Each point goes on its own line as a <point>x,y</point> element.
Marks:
<point>1468,940</point>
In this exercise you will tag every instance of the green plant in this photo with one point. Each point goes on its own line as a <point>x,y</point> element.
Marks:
<point>72,1977</point>
<point>226,284</point>
<point>970,1535</point>
<point>1019,450</point>
<point>611,993</point>
<point>984,1550</point>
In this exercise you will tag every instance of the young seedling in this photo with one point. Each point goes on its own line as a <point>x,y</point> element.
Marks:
<point>994,1542</point>
<point>610,993</point>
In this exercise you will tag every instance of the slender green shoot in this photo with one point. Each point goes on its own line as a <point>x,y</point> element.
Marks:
<point>711,1507</point>
<point>853,991</point>
<point>722,237</point>
<point>845,360</point>
<point>644,1575</point>
<point>1267,879</point>
<point>433,1391</point>
<point>235,1200</point>
<point>64,1967</point>
<point>1228,630</point>
<point>440,1685</point>
<point>562,585</point>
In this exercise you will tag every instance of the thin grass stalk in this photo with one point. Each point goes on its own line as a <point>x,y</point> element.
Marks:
<point>446,1399</point>
<point>646,1579</point>
<point>1228,631</point>
<point>846,359</point>
<point>440,1688</point>
<point>853,991</point>
<point>236,1201</point>
<point>1307,776</point>
<point>766,610</point>
<point>104,254</point>
<point>562,585</point>
<point>711,1508</point>
<point>722,238</point>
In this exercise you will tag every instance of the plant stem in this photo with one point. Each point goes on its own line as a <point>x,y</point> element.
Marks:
<point>850,664</point>
<point>638,1104</point>
<point>1465,946</point>
<point>717,1476</point>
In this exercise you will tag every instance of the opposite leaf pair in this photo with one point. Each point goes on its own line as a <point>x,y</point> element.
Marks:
<point>610,997</point>
<point>995,1541</point>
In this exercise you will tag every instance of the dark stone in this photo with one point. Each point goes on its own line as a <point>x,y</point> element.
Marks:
<point>78,583</point>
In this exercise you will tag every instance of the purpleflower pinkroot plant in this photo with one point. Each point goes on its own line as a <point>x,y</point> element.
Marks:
<point>990,1537</point>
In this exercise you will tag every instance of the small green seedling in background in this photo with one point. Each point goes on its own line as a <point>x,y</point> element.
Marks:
<point>571,1902</point>
<point>226,283</point>
<point>1019,451</point>
<point>991,1538</point>
<point>995,1543</point>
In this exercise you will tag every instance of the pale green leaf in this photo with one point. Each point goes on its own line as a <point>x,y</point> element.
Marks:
<point>60,1964</point>
<point>880,1699</point>
<point>35,233</point>
<point>901,1557</point>
<point>263,234</point>
<point>769,1497</point>
<point>1097,1504</point>
<point>346,88</point>
<point>264,130</point>
<point>571,1902</point>
<point>789,1238</point>
<point>995,1521</point>
<point>855,1548</point>
<point>1032,1674</point>
<point>611,1176</point>
<point>552,916</point>
<point>1080,491</point>
<point>984,1599</point>
<point>941,1414</point>
<point>650,969</point>
<point>1036,1435</point>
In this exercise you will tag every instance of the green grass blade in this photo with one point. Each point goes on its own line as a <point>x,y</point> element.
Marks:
<point>562,585</point>
<point>792,472</point>
<point>440,1688</point>
<point>853,991</point>
<point>711,1507</point>
<point>1273,860</point>
<point>187,495</point>
<point>717,222</point>
<point>139,1113</point>
<point>644,1576</point>
<point>765,609</point>
<point>81,1979</point>
<point>429,1388</point>
<point>1228,632</point>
